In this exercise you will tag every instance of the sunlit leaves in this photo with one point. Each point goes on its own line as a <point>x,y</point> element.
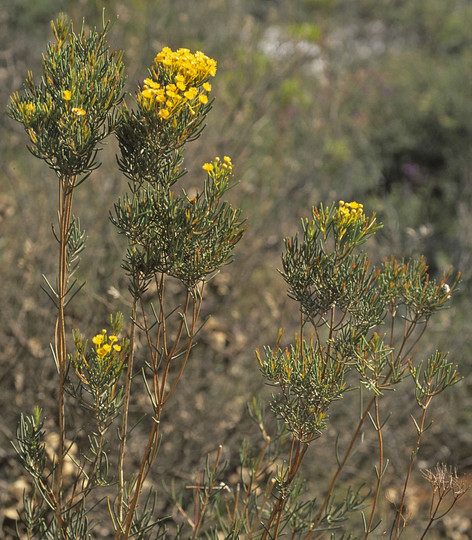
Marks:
<point>73,107</point>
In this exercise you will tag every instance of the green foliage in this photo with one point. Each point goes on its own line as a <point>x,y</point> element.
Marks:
<point>181,237</point>
<point>188,239</point>
<point>72,110</point>
<point>433,378</point>
<point>242,512</point>
<point>99,371</point>
<point>360,323</point>
<point>170,236</point>
<point>30,448</point>
<point>320,271</point>
<point>309,382</point>
<point>351,309</point>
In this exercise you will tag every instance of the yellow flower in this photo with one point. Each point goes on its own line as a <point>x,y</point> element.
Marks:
<point>28,111</point>
<point>180,82</point>
<point>191,93</point>
<point>148,93</point>
<point>347,214</point>
<point>161,96</point>
<point>171,90</point>
<point>98,339</point>
<point>350,209</point>
<point>227,163</point>
<point>208,167</point>
<point>152,84</point>
<point>183,75</point>
<point>354,205</point>
<point>189,68</point>
<point>102,351</point>
<point>78,111</point>
<point>67,95</point>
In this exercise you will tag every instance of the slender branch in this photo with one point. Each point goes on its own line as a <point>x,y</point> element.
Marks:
<point>125,526</point>
<point>208,495</point>
<point>378,428</point>
<point>293,467</point>
<point>339,469</point>
<point>151,448</point>
<point>170,354</point>
<point>195,316</point>
<point>407,334</point>
<point>328,341</point>
<point>153,351</point>
<point>66,189</point>
<point>410,467</point>
<point>124,419</point>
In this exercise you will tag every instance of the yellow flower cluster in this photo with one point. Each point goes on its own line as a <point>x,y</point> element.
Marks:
<point>348,213</point>
<point>218,166</point>
<point>104,345</point>
<point>179,79</point>
<point>195,68</point>
<point>78,111</point>
<point>27,109</point>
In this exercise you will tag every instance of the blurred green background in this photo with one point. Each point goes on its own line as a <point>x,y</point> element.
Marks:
<point>316,101</point>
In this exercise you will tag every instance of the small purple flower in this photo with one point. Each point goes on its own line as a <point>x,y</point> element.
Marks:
<point>411,169</point>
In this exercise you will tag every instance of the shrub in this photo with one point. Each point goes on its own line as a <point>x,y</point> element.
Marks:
<point>359,328</point>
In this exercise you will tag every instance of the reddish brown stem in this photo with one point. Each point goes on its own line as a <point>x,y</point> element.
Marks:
<point>162,396</point>
<point>124,420</point>
<point>66,188</point>
<point>378,428</point>
<point>295,461</point>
